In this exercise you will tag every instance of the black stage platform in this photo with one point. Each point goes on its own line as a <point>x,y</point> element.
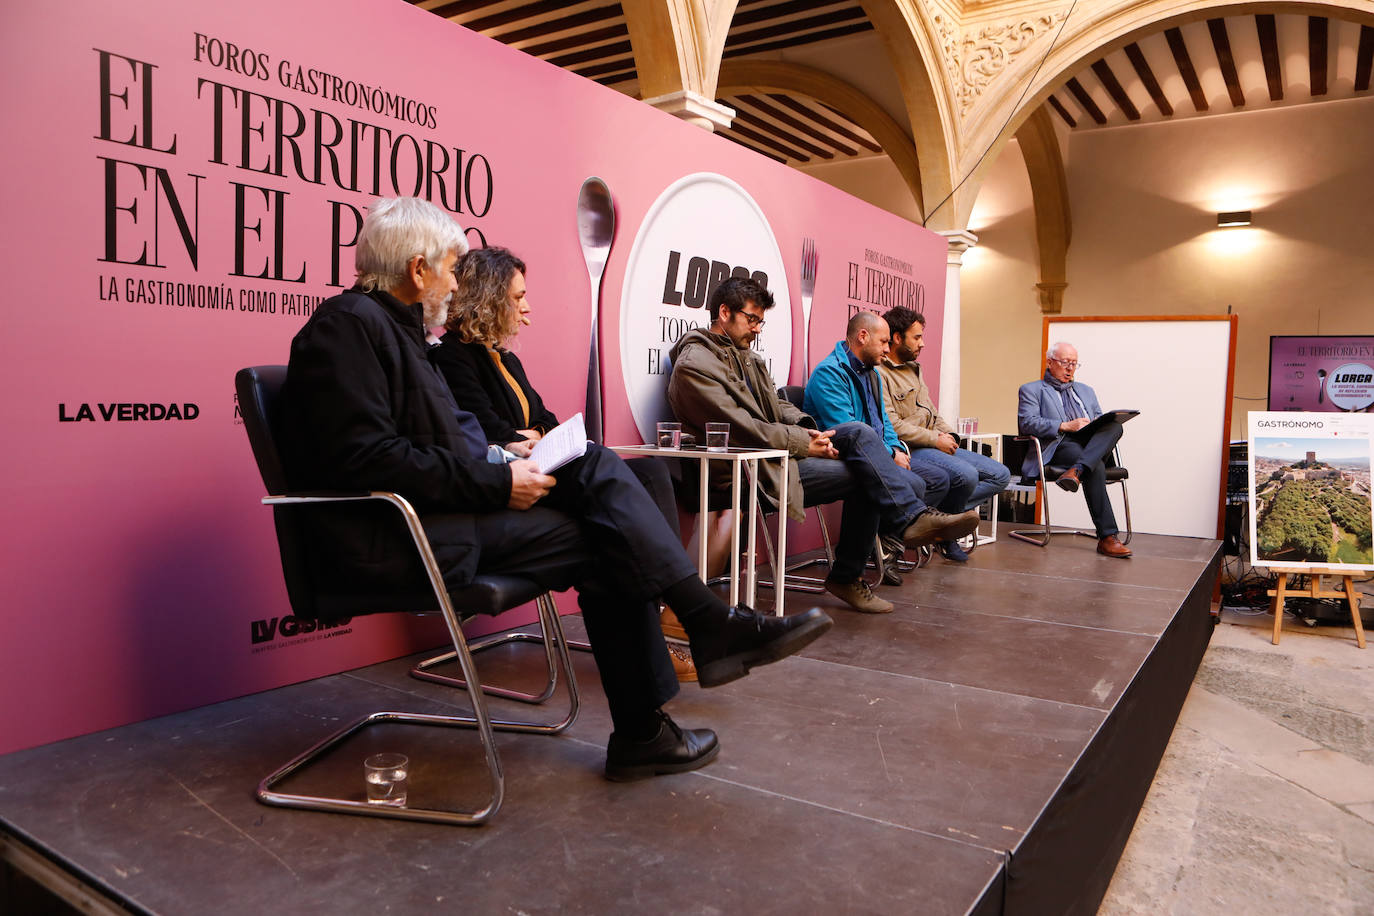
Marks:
<point>985,748</point>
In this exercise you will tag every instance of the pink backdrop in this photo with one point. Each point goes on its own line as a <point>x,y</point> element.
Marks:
<point>141,574</point>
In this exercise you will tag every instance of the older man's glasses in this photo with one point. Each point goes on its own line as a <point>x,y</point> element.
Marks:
<point>1066,363</point>
<point>755,321</point>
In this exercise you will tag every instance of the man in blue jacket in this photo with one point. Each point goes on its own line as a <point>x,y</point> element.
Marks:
<point>1054,409</point>
<point>845,388</point>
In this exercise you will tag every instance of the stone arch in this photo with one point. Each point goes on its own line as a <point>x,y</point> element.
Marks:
<point>677,46</point>
<point>742,76</point>
<point>910,48</point>
<point>1101,30</point>
<point>1050,201</point>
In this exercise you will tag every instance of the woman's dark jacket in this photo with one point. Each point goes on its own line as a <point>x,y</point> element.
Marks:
<point>480,387</point>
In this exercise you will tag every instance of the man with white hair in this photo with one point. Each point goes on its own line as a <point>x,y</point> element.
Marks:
<point>364,409</point>
<point>1054,409</point>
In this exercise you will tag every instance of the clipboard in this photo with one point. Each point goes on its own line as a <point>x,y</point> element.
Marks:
<point>1120,416</point>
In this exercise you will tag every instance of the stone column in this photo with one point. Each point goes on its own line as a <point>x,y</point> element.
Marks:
<point>960,240</point>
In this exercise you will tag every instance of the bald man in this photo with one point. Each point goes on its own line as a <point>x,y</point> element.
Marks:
<point>844,388</point>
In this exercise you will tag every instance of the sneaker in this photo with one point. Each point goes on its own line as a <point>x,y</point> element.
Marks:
<point>933,525</point>
<point>953,552</point>
<point>859,596</point>
<point>671,750</point>
<point>745,639</point>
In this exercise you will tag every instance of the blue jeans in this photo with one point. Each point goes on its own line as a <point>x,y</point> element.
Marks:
<point>973,477</point>
<point>879,496</point>
<point>935,483</point>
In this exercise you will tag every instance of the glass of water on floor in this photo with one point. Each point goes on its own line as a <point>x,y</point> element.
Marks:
<point>386,779</point>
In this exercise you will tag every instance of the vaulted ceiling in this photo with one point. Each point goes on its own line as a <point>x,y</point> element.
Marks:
<point>1203,68</point>
<point>1232,63</point>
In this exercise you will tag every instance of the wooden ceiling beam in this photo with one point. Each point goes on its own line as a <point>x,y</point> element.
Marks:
<point>594,71</point>
<point>610,33</point>
<point>798,40</point>
<point>1113,87</point>
<point>1063,112</point>
<point>794,26</point>
<point>769,142</point>
<point>1147,76</point>
<point>577,20</point>
<point>797,124</point>
<point>554,10</point>
<point>825,122</point>
<point>1316,53</point>
<point>753,148</point>
<point>611,77</point>
<point>789,137</point>
<point>1185,68</point>
<point>587,55</point>
<point>461,8</point>
<point>1221,43</point>
<point>777,11</point>
<point>1269,53</point>
<point>1085,100</point>
<point>1364,58</point>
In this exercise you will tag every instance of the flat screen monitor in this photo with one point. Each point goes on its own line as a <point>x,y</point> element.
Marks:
<point>1325,373</point>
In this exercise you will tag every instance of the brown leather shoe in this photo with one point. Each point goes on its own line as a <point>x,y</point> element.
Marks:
<point>1109,546</point>
<point>672,627</point>
<point>1069,481</point>
<point>683,665</point>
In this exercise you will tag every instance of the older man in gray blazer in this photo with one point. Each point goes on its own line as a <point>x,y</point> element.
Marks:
<point>1054,409</point>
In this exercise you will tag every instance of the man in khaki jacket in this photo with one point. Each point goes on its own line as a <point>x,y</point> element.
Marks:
<point>716,377</point>
<point>973,478</point>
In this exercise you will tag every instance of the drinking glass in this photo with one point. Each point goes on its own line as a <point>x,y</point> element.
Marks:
<point>386,779</point>
<point>669,435</point>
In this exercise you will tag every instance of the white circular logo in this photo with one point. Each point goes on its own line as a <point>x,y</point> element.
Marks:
<point>1351,387</point>
<point>702,229</point>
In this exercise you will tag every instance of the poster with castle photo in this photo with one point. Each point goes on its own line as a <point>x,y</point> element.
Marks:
<point>1310,500</point>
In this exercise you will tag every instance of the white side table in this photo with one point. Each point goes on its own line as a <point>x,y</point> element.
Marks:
<point>971,442</point>
<point>738,457</point>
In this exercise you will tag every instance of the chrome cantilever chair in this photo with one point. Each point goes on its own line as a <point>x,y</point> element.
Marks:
<point>312,597</point>
<point>1014,452</point>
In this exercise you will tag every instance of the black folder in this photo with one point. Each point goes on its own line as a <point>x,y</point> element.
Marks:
<point>1120,416</point>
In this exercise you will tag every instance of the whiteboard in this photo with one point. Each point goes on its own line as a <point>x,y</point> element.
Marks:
<point>1177,372</point>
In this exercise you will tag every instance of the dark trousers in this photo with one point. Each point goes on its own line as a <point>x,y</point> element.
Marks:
<point>826,480</point>
<point>1089,455</point>
<point>878,494</point>
<point>599,531</point>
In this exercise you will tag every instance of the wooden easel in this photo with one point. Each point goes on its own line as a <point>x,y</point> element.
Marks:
<point>1314,590</point>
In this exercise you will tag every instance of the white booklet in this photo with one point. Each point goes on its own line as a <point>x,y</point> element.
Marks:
<point>560,445</point>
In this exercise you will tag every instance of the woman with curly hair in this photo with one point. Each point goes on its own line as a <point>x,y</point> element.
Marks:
<point>489,308</point>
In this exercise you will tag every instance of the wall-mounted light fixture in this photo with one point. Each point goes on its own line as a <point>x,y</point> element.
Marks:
<point>1233,218</point>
